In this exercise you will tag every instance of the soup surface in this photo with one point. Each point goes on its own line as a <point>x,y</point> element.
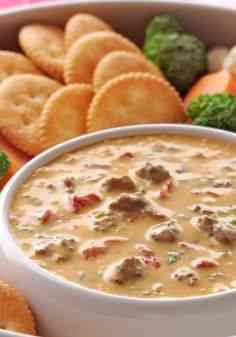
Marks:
<point>146,216</point>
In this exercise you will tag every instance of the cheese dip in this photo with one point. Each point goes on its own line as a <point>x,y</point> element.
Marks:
<point>143,216</point>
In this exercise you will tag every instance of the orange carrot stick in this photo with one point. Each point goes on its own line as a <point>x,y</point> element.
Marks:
<point>211,84</point>
<point>17,159</point>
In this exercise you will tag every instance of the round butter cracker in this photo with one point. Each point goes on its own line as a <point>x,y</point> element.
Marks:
<point>85,54</point>
<point>15,314</point>
<point>44,45</point>
<point>22,98</point>
<point>64,115</point>
<point>121,62</point>
<point>81,24</point>
<point>135,98</point>
<point>12,63</point>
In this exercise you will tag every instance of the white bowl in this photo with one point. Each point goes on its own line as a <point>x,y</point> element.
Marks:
<point>64,309</point>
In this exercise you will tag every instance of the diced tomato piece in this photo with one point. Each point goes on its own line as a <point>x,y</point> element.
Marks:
<point>79,202</point>
<point>205,263</point>
<point>45,217</point>
<point>127,155</point>
<point>152,261</point>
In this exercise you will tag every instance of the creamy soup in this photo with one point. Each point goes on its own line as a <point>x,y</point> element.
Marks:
<point>146,216</point>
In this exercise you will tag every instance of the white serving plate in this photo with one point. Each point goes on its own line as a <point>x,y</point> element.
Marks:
<point>64,309</point>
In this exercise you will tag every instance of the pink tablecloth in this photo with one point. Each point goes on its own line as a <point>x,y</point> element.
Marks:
<point>9,3</point>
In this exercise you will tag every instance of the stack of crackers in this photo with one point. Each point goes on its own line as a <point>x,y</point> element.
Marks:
<point>85,78</point>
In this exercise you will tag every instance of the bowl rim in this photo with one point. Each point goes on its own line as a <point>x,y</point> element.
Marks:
<point>48,4</point>
<point>9,333</point>
<point>7,241</point>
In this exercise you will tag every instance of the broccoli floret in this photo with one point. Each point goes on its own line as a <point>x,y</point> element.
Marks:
<point>217,111</point>
<point>4,164</point>
<point>163,24</point>
<point>181,57</point>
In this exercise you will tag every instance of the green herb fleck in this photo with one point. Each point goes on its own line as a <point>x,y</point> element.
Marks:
<point>143,190</point>
<point>233,222</point>
<point>4,164</point>
<point>172,257</point>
